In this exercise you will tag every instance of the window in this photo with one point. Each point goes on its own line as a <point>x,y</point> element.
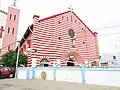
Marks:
<point>71,18</point>
<point>99,57</point>
<point>35,50</point>
<point>114,57</point>
<point>71,33</point>
<point>8,29</point>
<point>62,17</point>
<point>70,62</point>
<point>10,16</point>
<point>44,62</point>
<point>94,63</point>
<point>83,42</point>
<point>67,18</point>
<point>6,69</point>
<point>75,21</point>
<point>14,17</point>
<point>13,31</point>
<point>59,38</point>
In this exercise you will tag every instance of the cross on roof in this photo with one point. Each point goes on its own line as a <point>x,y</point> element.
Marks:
<point>70,8</point>
<point>14,3</point>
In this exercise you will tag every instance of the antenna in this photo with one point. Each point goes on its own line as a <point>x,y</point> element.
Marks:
<point>70,8</point>
<point>14,4</point>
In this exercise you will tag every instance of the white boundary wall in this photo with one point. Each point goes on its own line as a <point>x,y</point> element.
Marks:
<point>99,76</point>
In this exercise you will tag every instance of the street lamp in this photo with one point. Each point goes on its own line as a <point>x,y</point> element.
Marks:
<point>17,58</point>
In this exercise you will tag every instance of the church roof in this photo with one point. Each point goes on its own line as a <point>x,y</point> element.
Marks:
<point>53,16</point>
<point>26,34</point>
<point>28,31</point>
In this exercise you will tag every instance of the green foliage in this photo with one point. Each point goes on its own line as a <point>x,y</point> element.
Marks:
<point>9,58</point>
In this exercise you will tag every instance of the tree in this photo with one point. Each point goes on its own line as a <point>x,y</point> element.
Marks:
<point>9,58</point>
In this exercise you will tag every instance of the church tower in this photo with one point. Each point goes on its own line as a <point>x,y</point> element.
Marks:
<point>11,29</point>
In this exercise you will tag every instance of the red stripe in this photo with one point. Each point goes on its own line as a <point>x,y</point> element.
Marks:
<point>47,43</point>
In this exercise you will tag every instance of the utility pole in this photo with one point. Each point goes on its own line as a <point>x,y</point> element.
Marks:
<point>18,51</point>
<point>18,54</point>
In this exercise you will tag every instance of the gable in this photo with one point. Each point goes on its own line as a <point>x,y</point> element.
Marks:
<point>26,34</point>
<point>85,26</point>
<point>53,16</point>
<point>62,15</point>
<point>51,36</point>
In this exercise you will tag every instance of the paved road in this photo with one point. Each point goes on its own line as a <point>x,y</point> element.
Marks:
<point>12,84</point>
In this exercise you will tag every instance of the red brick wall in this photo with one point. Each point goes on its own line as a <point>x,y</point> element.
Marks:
<point>45,39</point>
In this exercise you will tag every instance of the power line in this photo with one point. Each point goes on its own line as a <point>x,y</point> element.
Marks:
<point>12,43</point>
<point>8,45</point>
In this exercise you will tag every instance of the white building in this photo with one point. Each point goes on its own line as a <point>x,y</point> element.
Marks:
<point>3,16</point>
<point>114,58</point>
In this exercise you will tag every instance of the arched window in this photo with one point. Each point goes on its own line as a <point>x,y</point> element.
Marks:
<point>75,20</point>
<point>70,61</point>
<point>44,62</point>
<point>71,18</point>
<point>62,17</point>
<point>67,18</point>
<point>14,17</point>
<point>13,31</point>
<point>10,16</point>
<point>8,29</point>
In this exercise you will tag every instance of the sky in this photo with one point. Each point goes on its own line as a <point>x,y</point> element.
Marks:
<point>102,16</point>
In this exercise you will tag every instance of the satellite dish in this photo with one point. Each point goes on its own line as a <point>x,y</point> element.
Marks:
<point>71,33</point>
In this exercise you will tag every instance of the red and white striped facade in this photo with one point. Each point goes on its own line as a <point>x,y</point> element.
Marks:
<point>51,39</point>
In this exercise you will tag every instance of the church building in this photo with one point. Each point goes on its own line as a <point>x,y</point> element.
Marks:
<point>61,38</point>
